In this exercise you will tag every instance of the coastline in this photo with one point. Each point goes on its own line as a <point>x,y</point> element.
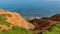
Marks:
<point>32,17</point>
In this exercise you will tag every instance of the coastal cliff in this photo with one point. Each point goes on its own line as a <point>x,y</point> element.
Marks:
<point>16,19</point>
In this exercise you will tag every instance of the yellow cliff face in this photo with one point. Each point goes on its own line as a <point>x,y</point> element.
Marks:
<point>16,19</point>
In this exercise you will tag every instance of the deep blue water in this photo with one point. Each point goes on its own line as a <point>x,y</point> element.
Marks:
<point>34,9</point>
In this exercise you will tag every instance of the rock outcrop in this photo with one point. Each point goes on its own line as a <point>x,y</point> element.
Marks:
<point>55,17</point>
<point>42,24</point>
<point>16,19</point>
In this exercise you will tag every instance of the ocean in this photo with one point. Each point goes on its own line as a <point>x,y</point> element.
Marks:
<point>39,9</point>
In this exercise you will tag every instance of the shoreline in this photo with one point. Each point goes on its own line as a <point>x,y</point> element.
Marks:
<point>32,17</point>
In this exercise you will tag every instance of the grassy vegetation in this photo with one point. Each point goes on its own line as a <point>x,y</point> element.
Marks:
<point>3,20</point>
<point>16,30</point>
<point>55,29</point>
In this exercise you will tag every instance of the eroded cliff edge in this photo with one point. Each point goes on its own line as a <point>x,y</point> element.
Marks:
<point>16,19</point>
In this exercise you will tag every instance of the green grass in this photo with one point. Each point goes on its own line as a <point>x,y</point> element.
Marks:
<point>16,30</point>
<point>3,20</point>
<point>55,29</point>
